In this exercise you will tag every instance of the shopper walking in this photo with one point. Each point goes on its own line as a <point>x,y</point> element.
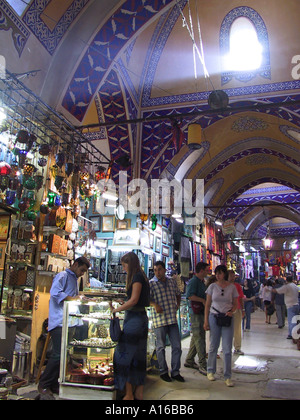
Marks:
<point>291,292</point>
<point>165,299</point>
<point>196,296</point>
<point>267,298</point>
<point>278,302</point>
<point>249,302</point>
<point>64,288</point>
<point>130,356</point>
<point>238,315</point>
<point>222,299</point>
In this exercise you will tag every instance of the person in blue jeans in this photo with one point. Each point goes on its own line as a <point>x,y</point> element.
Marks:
<point>222,297</point>
<point>249,300</point>
<point>165,300</point>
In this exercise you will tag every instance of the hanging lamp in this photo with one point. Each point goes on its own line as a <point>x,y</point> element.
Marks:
<point>194,136</point>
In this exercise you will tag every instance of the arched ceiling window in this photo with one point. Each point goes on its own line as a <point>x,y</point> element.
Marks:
<point>245,51</point>
<point>18,5</point>
<point>244,45</point>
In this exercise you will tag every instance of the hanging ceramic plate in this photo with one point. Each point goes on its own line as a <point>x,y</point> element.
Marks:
<point>120,212</point>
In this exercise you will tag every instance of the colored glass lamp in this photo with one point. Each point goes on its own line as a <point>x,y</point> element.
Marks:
<point>51,199</point>
<point>22,136</point>
<point>28,170</point>
<point>4,182</point>
<point>42,162</point>
<point>5,169</point>
<point>10,197</point>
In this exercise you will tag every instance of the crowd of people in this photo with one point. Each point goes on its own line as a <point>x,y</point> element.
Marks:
<point>218,304</point>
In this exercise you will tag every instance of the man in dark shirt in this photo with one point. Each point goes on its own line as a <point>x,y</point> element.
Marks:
<point>196,293</point>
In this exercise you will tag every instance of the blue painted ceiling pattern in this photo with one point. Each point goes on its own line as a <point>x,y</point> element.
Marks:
<point>251,184</point>
<point>113,107</point>
<point>104,49</point>
<point>51,38</point>
<point>102,75</point>
<point>237,213</point>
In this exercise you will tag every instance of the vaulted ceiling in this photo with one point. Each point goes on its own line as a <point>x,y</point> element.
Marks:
<point>102,63</point>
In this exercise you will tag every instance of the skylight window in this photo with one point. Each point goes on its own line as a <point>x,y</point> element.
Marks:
<point>245,52</point>
<point>18,5</point>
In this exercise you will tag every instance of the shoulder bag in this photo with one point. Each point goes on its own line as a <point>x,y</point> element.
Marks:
<point>197,307</point>
<point>223,320</point>
<point>115,329</point>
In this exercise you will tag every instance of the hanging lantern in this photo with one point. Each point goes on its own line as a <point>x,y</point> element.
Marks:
<point>60,159</point>
<point>57,201</point>
<point>14,183</point>
<point>22,157</point>
<point>154,222</point>
<point>100,174</point>
<point>194,136</point>
<point>24,204</point>
<point>42,162</point>
<point>14,167</point>
<point>144,217</point>
<point>44,149</point>
<point>44,209</point>
<point>10,197</point>
<point>39,179</point>
<point>31,215</point>
<point>28,170</point>
<point>58,181</point>
<point>4,183</point>
<point>22,136</point>
<point>218,99</point>
<point>84,176</point>
<point>5,169</point>
<point>29,184</point>
<point>31,197</point>
<point>31,141</point>
<point>51,197</point>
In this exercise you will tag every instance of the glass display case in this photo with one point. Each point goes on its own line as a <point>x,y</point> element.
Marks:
<point>86,370</point>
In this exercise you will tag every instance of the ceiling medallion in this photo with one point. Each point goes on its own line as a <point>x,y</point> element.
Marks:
<point>249,124</point>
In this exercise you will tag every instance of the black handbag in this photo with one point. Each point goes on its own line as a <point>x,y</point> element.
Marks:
<point>223,320</point>
<point>115,329</point>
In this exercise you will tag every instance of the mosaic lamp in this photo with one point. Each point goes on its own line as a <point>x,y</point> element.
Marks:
<point>10,197</point>
<point>5,169</point>
<point>22,136</point>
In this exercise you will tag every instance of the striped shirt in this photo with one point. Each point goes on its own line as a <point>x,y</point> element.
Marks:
<point>164,293</point>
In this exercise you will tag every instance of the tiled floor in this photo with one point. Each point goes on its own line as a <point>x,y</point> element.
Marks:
<point>264,346</point>
<point>268,356</point>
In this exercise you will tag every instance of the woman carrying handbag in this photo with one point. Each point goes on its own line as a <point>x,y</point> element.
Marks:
<point>221,303</point>
<point>131,352</point>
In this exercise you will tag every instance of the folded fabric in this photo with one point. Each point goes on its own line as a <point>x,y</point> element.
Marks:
<point>185,252</point>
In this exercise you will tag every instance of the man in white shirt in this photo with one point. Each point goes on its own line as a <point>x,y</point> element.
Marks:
<point>291,295</point>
